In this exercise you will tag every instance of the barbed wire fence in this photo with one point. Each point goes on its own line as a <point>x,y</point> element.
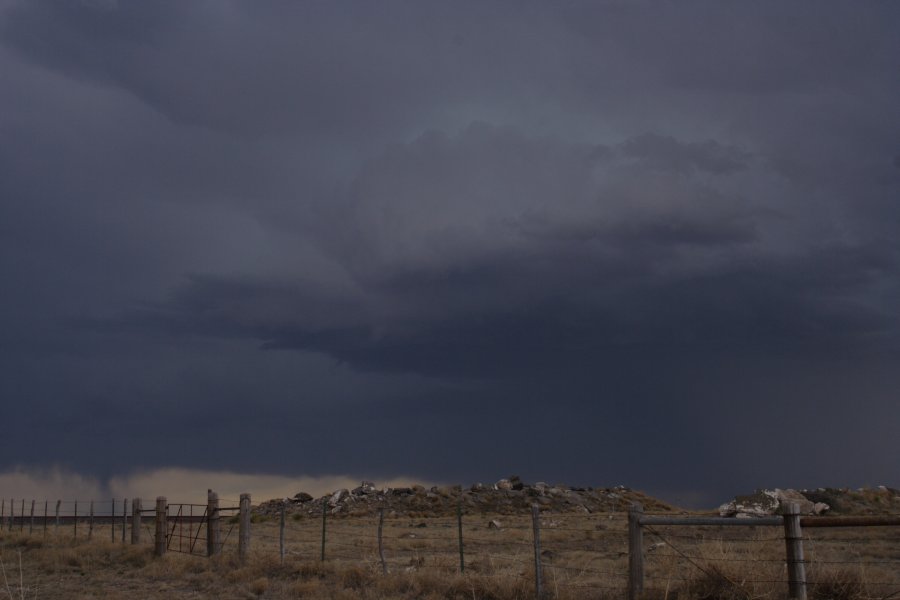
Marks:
<point>584,555</point>
<point>822,557</point>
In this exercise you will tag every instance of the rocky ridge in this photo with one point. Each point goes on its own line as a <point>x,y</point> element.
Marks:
<point>834,501</point>
<point>506,496</point>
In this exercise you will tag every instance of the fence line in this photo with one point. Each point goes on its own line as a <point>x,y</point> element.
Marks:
<point>795,539</point>
<point>607,552</point>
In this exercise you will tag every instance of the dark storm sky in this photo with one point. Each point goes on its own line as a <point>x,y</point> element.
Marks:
<point>643,243</point>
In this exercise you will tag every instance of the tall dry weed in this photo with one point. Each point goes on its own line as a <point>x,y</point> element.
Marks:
<point>16,590</point>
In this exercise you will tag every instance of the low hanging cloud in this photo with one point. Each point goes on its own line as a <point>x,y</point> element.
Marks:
<point>486,251</point>
<point>175,483</point>
<point>49,484</point>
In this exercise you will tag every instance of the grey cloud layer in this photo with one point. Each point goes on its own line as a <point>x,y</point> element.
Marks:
<point>452,216</point>
<point>487,250</point>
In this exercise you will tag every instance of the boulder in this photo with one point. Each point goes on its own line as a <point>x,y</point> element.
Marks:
<point>446,491</point>
<point>785,497</point>
<point>302,497</point>
<point>820,508</point>
<point>764,503</point>
<point>760,504</point>
<point>337,497</point>
<point>365,488</point>
<point>503,484</point>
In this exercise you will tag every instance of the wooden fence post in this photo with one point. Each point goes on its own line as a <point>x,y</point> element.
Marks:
<point>31,522</point>
<point>22,517</point>
<point>793,541</point>
<point>124,517</point>
<point>281,533</point>
<point>91,521</point>
<point>462,558</point>
<point>244,528</point>
<point>58,504</point>
<point>212,523</point>
<point>538,571</point>
<point>75,521</point>
<point>635,552</point>
<point>2,513</point>
<point>324,513</point>
<point>135,521</point>
<point>381,541</point>
<point>161,526</point>
<point>46,507</point>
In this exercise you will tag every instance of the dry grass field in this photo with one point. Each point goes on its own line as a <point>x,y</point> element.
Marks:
<point>583,556</point>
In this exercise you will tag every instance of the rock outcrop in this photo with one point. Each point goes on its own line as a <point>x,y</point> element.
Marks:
<point>507,496</point>
<point>764,503</point>
<point>837,501</point>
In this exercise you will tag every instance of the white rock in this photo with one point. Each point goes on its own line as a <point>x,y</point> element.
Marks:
<point>820,508</point>
<point>337,496</point>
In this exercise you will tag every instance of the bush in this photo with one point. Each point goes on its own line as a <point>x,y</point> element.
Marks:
<point>714,583</point>
<point>835,584</point>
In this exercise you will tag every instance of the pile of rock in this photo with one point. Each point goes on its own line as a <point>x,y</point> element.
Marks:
<point>506,496</point>
<point>764,503</point>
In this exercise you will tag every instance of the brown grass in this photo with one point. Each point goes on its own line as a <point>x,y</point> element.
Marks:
<point>585,557</point>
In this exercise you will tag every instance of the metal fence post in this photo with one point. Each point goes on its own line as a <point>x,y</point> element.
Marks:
<point>793,541</point>
<point>161,526</point>
<point>635,552</point>
<point>244,528</point>
<point>135,521</point>
<point>324,513</point>
<point>462,558</point>
<point>381,541</point>
<point>212,523</point>
<point>281,533</point>
<point>538,571</point>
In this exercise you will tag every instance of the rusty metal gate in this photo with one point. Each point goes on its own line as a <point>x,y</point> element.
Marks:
<point>187,527</point>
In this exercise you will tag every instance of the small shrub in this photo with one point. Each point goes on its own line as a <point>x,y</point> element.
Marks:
<point>836,584</point>
<point>259,586</point>
<point>305,589</point>
<point>714,583</point>
<point>356,577</point>
<point>240,575</point>
<point>136,556</point>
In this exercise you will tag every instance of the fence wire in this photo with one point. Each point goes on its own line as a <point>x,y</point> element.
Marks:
<point>586,554</point>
